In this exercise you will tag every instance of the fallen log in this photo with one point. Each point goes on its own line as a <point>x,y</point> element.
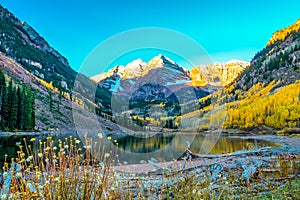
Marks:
<point>159,166</point>
<point>236,153</point>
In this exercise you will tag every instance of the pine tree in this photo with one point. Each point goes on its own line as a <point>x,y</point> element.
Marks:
<point>2,89</point>
<point>32,110</point>
<point>20,109</point>
<point>13,109</point>
<point>7,102</point>
<point>23,109</point>
<point>5,109</point>
<point>2,83</point>
<point>28,109</point>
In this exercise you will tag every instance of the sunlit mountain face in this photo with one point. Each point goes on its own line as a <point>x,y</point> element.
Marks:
<point>218,74</point>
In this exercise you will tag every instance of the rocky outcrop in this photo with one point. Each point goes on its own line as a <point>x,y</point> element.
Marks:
<point>218,74</point>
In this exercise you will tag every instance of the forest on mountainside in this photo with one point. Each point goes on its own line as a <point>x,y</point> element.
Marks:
<point>17,103</point>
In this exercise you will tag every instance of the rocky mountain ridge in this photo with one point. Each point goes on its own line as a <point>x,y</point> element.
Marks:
<point>159,70</point>
<point>216,74</point>
<point>279,60</point>
<point>22,43</point>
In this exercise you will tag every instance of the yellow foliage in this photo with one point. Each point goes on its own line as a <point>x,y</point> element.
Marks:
<point>283,33</point>
<point>46,84</point>
<point>261,107</point>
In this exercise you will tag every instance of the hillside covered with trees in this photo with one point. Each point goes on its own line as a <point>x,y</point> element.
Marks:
<point>272,105</point>
<point>267,94</point>
<point>17,106</point>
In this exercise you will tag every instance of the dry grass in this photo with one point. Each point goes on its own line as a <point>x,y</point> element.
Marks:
<point>67,171</point>
<point>59,172</point>
<point>280,181</point>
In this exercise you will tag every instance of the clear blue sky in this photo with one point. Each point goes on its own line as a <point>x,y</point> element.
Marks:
<point>232,29</point>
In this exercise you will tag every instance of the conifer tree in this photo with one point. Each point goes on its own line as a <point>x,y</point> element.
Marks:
<point>28,109</point>
<point>23,109</point>
<point>2,83</point>
<point>33,113</point>
<point>17,106</point>
<point>13,109</point>
<point>31,105</point>
<point>20,109</point>
<point>5,109</point>
<point>2,89</point>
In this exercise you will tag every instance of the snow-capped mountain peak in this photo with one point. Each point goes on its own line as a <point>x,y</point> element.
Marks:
<point>134,69</point>
<point>161,61</point>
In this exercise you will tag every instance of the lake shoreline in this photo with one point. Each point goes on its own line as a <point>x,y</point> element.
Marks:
<point>288,146</point>
<point>261,130</point>
<point>257,131</point>
<point>116,133</point>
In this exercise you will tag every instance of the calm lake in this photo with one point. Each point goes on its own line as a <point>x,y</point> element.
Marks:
<point>139,149</point>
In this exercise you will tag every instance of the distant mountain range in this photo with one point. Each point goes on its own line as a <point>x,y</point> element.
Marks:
<point>170,73</point>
